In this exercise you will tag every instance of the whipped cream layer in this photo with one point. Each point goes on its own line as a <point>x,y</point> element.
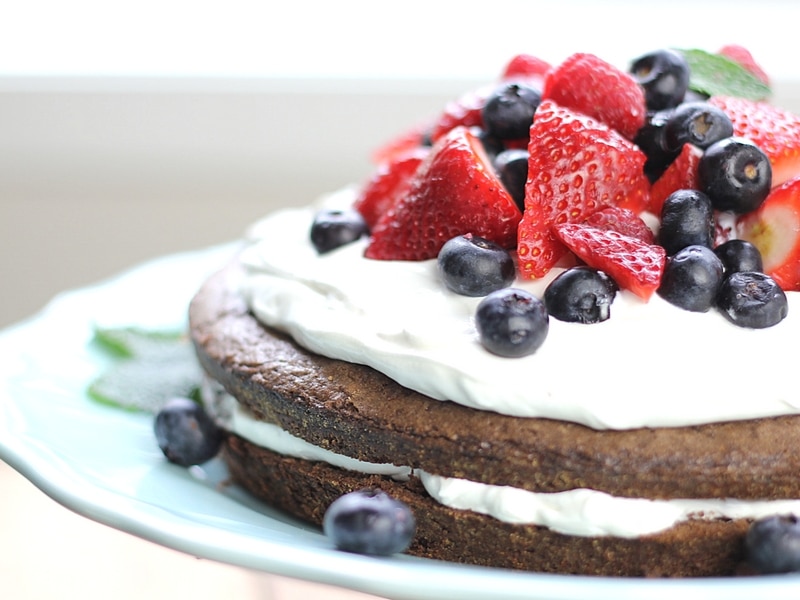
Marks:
<point>650,365</point>
<point>580,512</point>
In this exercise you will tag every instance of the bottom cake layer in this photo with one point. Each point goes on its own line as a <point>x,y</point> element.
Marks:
<point>304,489</point>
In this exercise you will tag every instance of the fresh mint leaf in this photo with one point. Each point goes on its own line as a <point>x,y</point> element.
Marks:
<point>150,368</point>
<point>717,75</point>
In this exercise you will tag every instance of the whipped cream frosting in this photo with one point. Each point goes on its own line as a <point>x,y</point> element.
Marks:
<point>581,512</point>
<point>650,365</point>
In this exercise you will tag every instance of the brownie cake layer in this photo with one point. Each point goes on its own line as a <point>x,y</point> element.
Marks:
<point>305,489</point>
<point>356,411</point>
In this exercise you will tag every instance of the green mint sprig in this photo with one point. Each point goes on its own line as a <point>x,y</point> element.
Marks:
<point>717,75</point>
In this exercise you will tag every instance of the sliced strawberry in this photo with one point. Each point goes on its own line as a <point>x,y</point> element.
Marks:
<point>526,67</point>
<point>465,111</point>
<point>454,192</point>
<point>588,84</point>
<point>742,55</point>
<point>774,228</point>
<point>622,221</point>
<point>680,175</point>
<point>401,144</point>
<point>577,166</point>
<point>775,130</point>
<point>632,263</point>
<point>388,182</point>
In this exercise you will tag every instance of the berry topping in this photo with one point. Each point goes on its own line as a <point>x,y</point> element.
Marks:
<point>775,230</point>
<point>735,174</point>
<point>332,229</point>
<point>698,123</point>
<point>512,323</point>
<point>664,76</point>
<point>633,264</point>
<point>687,219</point>
<point>369,522</point>
<point>752,299</point>
<point>512,169</point>
<point>650,139</point>
<point>775,130</point>
<point>185,433</point>
<point>742,56</point>
<point>473,266</point>
<point>465,111</point>
<point>680,175</point>
<point>508,112</point>
<point>454,192</point>
<point>622,221</point>
<point>526,67</point>
<point>772,544</point>
<point>388,182</point>
<point>580,295</point>
<point>691,279</point>
<point>590,85</point>
<point>577,166</point>
<point>739,255</point>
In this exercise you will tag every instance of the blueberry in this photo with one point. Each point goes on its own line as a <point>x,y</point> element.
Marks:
<point>651,140</point>
<point>739,255</point>
<point>772,544</point>
<point>736,175</point>
<point>691,278</point>
<point>512,322</point>
<point>334,228</point>
<point>696,123</point>
<point>369,522</point>
<point>752,299</point>
<point>580,295</point>
<point>508,112</point>
<point>664,77</point>
<point>473,266</point>
<point>687,219</point>
<point>185,433</point>
<point>512,169</point>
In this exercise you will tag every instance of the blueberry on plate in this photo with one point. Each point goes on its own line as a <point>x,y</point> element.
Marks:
<point>664,77</point>
<point>512,322</point>
<point>691,278</point>
<point>508,112</point>
<point>334,228</point>
<point>736,175</point>
<point>651,140</point>
<point>186,433</point>
<point>687,219</point>
<point>772,544</point>
<point>580,295</point>
<point>473,266</point>
<point>751,299</point>
<point>739,255</point>
<point>697,123</point>
<point>369,522</point>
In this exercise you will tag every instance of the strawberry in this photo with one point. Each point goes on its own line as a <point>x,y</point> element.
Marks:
<point>576,167</point>
<point>742,55</point>
<point>775,130</point>
<point>526,67</point>
<point>622,221</point>
<point>454,192</point>
<point>588,84</point>
<point>388,182</point>
<point>465,110</point>
<point>774,228</point>
<point>635,265</point>
<point>681,174</point>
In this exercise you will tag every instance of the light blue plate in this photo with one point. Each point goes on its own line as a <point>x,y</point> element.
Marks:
<point>103,463</point>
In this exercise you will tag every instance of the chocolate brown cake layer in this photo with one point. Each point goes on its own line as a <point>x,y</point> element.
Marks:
<point>357,411</point>
<point>305,489</point>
